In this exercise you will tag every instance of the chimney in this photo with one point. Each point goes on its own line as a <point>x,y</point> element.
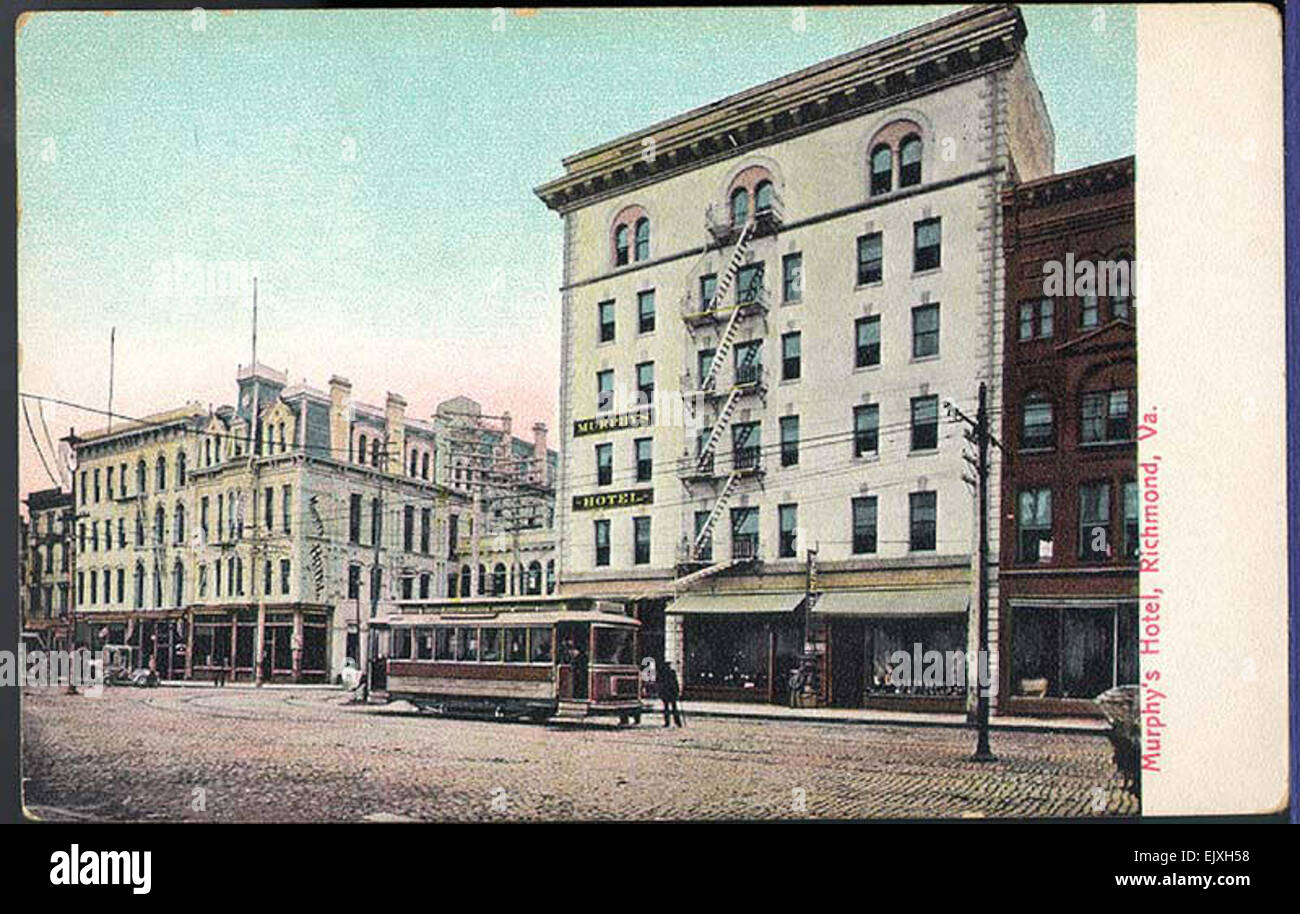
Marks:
<point>340,418</point>
<point>539,451</point>
<point>395,428</point>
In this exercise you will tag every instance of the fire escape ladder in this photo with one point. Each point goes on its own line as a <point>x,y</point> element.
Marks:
<point>718,508</point>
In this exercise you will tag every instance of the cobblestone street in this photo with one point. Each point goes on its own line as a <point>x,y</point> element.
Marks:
<point>201,754</point>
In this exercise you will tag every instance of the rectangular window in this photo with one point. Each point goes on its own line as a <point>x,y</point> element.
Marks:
<point>453,534</point>
<point>1106,416</point>
<point>268,507</point>
<point>1132,529</point>
<point>708,289</point>
<point>704,548</point>
<point>870,258</point>
<point>284,576</point>
<point>645,309</point>
<point>921,520</point>
<point>867,336</point>
<point>1034,525</point>
<point>644,450</point>
<point>1037,429</point>
<point>266,577</point>
<point>354,519</point>
<point>424,586</point>
<point>604,390</point>
<point>286,508</point>
<point>705,359</point>
<point>406,585</point>
<point>864,525</point>
<point>791,356</point>
<point>203,518</point>
<point>926,244</point>
<point>641,540</point>
<point>788,518</point>
<point>749,283</point>
<point>744,533</point>
<point>925,331</point>
<point>97,485</point>
<point>866,429</point>
<point>605,311</point>
<point>746,438</point>
<point>925,423</point>
<point>645,383</point>
<point>1036,319</point>
<point>1088,311</point>
<point>604,464</point>
<point>602,542</point>
<point>408,528</point>
<point>748,365</point>
<point>426,523</point>
<point>792,278</point>
<point>376,522</point>
<point>1094,521</point>
<point>789,441</point>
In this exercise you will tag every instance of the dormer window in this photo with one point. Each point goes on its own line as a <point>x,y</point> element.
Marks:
<point>882,170</point>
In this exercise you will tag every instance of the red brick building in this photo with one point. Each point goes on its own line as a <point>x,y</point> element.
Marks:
<point>1068,571</point>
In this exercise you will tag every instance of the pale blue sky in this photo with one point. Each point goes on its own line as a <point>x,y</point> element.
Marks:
<point>377,167</point>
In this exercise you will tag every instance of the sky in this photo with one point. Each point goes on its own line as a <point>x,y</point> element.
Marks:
<point>374,170</point>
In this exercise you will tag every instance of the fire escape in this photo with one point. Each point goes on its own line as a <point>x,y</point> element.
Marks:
<point>738,298</point>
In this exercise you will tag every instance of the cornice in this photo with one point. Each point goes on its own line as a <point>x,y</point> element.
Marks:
<point>951,50</point>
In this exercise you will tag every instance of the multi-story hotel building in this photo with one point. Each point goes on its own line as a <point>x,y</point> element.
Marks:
<point>768,303</point>
<point>271,530</point>
<point>1070,544</point>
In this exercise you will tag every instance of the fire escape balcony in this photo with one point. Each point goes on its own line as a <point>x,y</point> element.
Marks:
<point>747,379</point>
<point>751,302</point>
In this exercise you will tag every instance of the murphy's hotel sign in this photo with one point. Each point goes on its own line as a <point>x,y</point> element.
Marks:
<point>627,498</point>
<point>637,418</point>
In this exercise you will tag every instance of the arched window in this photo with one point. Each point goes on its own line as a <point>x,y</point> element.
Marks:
<point>178,584</point>
<point>160,473</point>
<point>739,206</point>
<point>361,450</point>
<point>180,468</point>
<point>1037,428</point>
<point>159,525</point>
<point>909,161</point>
<point>534,577</point>
<point>280,428</point>
<point>620,246</point>
<point>643,239</point>
<point>374,453</point>
<point>499,579</point>
<point>763,197</point>
<point>207,452</point>
<point>139,586</point>
<point>139,529</point>
<point>550,576</point>
<point>415,457</point>
<point>424,465</point>
<point>157,587</point>
<point>141,478</point>
<point>466,580</point>
<point>882,169</point>
<point>482,580</point>
<point>179,523</point>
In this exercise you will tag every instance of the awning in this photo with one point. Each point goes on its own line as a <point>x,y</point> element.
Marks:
<point>913,601</point>
<point>735,603</point>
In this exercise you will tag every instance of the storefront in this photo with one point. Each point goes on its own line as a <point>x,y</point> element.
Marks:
<point>903,649</point>
<point>739,647</point>
<point>1066,652</point>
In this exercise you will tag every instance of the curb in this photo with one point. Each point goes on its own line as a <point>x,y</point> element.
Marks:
<point>1005,727</point>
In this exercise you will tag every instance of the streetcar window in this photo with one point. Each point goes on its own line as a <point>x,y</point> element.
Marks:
<point>443,644</point>
<point>424,644</point>
<point>401,644</point>
<point>489,649</point>
<point>467,644</point>
<point>613,645</point>
<point>516,645</point>
<point>539,645</point>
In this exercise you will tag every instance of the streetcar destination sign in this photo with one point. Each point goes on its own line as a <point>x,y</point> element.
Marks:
<point>625,499</point>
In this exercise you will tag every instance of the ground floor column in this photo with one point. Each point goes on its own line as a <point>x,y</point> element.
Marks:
<point>297,645</point>
<point>189,644</point>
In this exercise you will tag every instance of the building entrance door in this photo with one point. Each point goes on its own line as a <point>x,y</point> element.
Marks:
<point>846,663</point>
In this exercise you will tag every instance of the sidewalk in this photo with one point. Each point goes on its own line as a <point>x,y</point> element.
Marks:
<point>739,710</point>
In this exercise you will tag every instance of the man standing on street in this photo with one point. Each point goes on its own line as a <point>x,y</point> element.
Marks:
<point>668,692</point>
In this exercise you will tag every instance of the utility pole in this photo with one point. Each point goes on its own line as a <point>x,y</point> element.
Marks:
<point>377,534</point>
<point>982,438</point>
<point>254,449</point>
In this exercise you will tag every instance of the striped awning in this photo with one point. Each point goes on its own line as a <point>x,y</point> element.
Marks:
<point>912,601</point>
<point>734,603</point>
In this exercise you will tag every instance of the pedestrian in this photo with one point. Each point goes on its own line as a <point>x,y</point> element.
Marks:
<point>798,679</point>
<point>668,692</point>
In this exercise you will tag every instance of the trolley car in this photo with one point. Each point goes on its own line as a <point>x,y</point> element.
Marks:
<point>530,658</point>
